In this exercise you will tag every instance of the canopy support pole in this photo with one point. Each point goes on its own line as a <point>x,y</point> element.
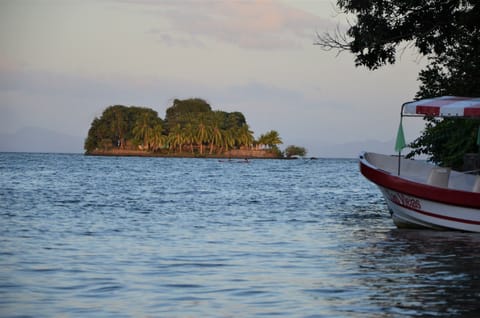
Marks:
<point>478,139</point>
<point>399,156</point>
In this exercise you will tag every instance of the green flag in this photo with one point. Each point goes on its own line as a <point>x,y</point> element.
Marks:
<point>400,143</point>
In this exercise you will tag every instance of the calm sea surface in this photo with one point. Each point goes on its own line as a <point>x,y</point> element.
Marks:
<point>156,237</point>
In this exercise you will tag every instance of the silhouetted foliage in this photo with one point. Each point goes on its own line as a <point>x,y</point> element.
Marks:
<point>447,141</point>
<point>447,32</point>
<point>454,72</point>
<point>381,26</point>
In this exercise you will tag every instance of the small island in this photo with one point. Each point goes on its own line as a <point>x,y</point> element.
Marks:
<point>190,129</point>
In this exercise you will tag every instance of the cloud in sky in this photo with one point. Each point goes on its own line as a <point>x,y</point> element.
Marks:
<point>255,24</point>
<point>62,63</point>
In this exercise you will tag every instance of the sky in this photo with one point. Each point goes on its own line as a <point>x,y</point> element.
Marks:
<point>62,62</point>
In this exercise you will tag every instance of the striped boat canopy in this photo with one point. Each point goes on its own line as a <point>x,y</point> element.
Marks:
<point>445,106</point>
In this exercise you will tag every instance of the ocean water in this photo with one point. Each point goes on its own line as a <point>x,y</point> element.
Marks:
<point>164,237</point>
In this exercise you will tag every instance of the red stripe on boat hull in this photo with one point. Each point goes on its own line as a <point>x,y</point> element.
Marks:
<point>472,111</point>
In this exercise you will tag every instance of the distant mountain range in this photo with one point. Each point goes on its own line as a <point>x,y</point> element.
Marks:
<point>353,149</point>
<point>34,139</point>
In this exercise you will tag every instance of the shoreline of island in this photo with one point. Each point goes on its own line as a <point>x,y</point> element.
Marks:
<point>232,154</point>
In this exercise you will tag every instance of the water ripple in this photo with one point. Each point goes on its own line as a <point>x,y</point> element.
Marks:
<point>147,237</point>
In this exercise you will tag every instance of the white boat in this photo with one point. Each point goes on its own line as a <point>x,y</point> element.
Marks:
<point>419,194</point>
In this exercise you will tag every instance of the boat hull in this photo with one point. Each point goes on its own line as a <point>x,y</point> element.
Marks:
<point>414,204</point>
<point>414,212</point>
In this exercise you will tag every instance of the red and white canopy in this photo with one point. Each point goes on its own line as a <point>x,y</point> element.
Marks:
<point>445,106</point>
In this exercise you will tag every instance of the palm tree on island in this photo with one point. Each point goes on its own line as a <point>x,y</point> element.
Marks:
<point>190,124</point>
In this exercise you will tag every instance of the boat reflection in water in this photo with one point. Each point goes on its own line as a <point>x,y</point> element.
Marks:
<point>423,272</point>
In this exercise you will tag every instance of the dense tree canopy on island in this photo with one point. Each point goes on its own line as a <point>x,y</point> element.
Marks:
<point>183,108</point>
<point>190,126</point>
<point>295,151</point>
<point>447,33</point>
<point>121,124</point>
